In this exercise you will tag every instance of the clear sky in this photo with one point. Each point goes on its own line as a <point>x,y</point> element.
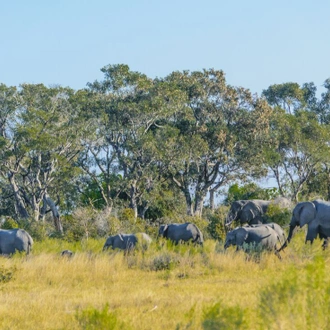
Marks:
<point>257,43</point>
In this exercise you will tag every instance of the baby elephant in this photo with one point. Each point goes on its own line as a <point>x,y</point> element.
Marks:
<point>126,242</point>
<point>264,236</point>
<point>276,227</point>
<point>181,232</point>
<point>67,253</point>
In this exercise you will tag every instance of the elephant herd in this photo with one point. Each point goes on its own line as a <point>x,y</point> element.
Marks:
<point>13,240</point>
<point>315,214</point>
<point>254,229</point>
<point>175,232</point>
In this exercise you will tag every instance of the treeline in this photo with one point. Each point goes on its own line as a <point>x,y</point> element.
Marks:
<point>157,146</point>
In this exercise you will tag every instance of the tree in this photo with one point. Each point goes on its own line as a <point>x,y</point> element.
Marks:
<point>131,107</point>
<point>213,137</point>
<point>300,143</point>
<point>40,144</point>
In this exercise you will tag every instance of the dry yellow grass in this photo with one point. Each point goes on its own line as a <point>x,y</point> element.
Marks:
<point>48,291</point>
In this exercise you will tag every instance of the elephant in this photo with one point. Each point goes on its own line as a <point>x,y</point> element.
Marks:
<point>316,215</point>
<point>264,236</point>
<point>67,253</point>
<point>247,211</point>
<point>185,232</point>
<point>127,242</point>
<point>12,240</point>
<point>277,228</point>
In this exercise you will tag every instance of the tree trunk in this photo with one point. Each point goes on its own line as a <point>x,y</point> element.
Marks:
<point>19,203</point>
<point>56,215</point>
<point>199,203</point>
<point>212,193</point>
<point>188,202</point>
<point>143,209</point>
<point>133,199</point>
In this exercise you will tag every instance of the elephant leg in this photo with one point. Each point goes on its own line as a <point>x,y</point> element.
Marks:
<point>325,243</point>
<point>277,253</point>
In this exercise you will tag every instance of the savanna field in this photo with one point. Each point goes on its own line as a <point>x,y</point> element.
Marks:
<point>165,287</point>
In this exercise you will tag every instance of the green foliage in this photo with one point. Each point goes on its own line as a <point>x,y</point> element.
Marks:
<point>92,318</point>
<point>249,191</point>
<point>216,223</point>
<point>6,274</point>
<point>9,223</point>
<point>39,230</point>
<point>219,316</point>
<point>279,215</point>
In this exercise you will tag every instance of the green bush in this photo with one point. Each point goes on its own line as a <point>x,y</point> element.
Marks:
<point>92,318</point>
<point>9,223</point>
<point>38,230</point>
<point>216,223</point>
<point>6,274</point>
<point>281,216</point>
<point>220,317</point>
<point>162,262</point>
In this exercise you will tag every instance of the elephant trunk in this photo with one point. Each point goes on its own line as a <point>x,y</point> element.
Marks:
<point>292,231</point>
<point>229,219</point>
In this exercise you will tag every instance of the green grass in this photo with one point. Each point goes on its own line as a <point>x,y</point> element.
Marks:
<point>165,287</point>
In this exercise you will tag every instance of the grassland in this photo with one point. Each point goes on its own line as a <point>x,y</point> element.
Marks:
<point>165,287</point>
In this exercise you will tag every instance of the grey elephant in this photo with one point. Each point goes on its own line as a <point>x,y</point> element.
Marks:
<point>263,236</point>
<point>279,230</point>
<point>13,240</point>
<point>247,211</point>
<point>253,211</point>
<point>127,241</point>
<point>316,215</point>
<point>67,253</point>
<point>185,232</point>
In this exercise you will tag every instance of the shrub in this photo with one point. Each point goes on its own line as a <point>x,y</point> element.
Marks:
<point>162,262</point>
<point>92,318</point>
<point>9,223</point>
<point>220,317</point>
<point>216,225</point>
<point>6,274</point>
<point>277,214</point>
<point>38,230</point>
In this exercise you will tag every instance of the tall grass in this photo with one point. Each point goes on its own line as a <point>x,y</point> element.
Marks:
<point>165,287</point>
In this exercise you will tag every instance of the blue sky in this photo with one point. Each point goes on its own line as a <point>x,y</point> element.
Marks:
<point>257,43</point>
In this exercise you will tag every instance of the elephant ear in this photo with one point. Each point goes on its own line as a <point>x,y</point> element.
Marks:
<point>306,213</point>
<point>165,231</point>
<point>241,236</point>
<point>249,212</point>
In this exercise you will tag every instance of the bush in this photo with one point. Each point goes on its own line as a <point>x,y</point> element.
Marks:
<point>279,215</point>
<point>9,223</point>
<point>220,317</point>
<point>216,225</point>
<point>162,262</point>
<point>6,274</point>
<point>38,230</point>
<point>92,318</point>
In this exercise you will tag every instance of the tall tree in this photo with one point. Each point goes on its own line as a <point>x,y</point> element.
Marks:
<point>131,106</point>
<point>300,142</point>
<point>39,147</point>
<point>213,136</point>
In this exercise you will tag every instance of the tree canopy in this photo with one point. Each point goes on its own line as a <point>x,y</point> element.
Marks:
<point>130,141</point>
